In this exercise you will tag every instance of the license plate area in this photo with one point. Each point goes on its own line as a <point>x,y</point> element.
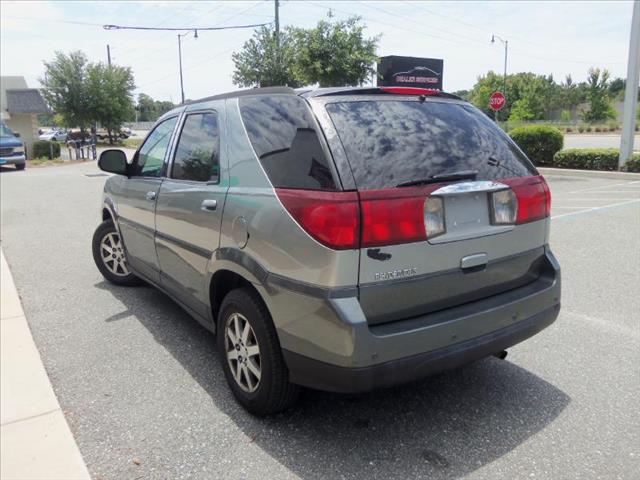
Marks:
<point>467,211</point>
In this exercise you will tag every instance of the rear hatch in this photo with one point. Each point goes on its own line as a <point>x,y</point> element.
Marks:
<point>451,211</point>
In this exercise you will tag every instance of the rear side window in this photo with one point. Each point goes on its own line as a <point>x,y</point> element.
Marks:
<point>389,142</point>
<point>197,155</point>
<point>150,157</point>
<point>283,134</point>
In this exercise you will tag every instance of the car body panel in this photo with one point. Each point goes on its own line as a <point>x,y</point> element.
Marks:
<point>329,306</point>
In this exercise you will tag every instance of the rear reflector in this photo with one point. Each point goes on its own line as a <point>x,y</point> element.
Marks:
<point>534,197</point>
<point>332,218</point>
<point>410,90</point>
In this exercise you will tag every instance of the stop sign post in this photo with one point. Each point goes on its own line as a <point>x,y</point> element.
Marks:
<point>497,101</point>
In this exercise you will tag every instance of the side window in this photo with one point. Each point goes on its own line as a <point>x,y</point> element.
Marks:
<point>150,158</point>
<point>198,153</point>
<point>283,134</point>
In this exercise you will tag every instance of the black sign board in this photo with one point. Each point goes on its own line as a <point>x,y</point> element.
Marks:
<point>410,72</point>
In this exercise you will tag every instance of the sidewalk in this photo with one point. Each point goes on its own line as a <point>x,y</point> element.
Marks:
<point>35,440</point>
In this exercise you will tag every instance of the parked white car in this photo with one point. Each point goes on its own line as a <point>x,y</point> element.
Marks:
<point>54,135</point>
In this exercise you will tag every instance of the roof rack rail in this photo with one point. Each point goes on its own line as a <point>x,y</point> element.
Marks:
<point>244,93</point>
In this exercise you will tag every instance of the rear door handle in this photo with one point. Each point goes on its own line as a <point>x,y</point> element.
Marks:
<point>151,196</point>
<point>209,205</point>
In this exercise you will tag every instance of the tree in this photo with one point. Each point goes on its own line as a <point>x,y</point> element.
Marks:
<point>149,110</point>
<point>335,53</point>
<point>109,91</point>
<point>64,88</point>
<point>600,108</point>
<point>262,63</point>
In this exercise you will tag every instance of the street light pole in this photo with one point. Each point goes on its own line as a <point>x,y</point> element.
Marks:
<point>631,90</point>
<point>195,35</point>
<point>180,62</point>
<point>506,49</point>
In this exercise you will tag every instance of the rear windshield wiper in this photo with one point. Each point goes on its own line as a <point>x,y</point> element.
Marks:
<point>442,177</point>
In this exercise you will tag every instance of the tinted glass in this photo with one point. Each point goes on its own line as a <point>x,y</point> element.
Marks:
<point>391,142</point>
<point>150,158</point>
<point>198,152</point>
<point>283,134</point>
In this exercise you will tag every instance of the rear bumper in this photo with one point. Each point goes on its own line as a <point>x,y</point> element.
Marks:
<point>335,349</point>
<point>12,160</point>
<point>324,376</point>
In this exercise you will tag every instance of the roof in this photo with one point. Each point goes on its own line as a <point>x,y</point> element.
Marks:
<point>25,100</point>
<point>336,91</point>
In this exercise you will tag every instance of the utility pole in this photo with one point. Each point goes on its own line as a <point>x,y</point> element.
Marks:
<point>109,55</point>
<point>277,6</point>
<point>631,90</point>
<point>180,62</point>
<point>506,48</point>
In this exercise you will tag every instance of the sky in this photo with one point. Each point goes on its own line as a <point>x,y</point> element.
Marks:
<point>554,37</point>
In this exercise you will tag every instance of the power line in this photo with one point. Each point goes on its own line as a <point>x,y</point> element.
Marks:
<point>181,29</point>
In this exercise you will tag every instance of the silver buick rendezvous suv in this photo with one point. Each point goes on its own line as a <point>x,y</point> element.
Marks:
<point>343,239</point>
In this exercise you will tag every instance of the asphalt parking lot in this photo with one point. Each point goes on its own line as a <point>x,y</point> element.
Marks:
<point>144,395</point>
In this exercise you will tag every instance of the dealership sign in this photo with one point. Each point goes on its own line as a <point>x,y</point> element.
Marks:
<point>497,101</point>
<point>410,72</point>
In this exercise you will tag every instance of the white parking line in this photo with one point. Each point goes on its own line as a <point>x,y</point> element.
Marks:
<point>594,209</point>
<point>605,186</point>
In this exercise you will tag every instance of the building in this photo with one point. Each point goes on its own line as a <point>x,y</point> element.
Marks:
<point>19,106</point>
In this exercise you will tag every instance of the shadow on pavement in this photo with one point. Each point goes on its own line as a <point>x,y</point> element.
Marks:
<point>445,426</point>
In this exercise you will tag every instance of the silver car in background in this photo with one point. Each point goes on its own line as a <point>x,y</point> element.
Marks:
<point>343,239</point>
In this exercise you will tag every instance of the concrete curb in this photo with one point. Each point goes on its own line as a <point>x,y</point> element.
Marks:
<point>35,440</point>
<point>567,172</point>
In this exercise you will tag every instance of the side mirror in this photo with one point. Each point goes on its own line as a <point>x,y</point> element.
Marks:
<point>113,161</point>
<point>16,134</point>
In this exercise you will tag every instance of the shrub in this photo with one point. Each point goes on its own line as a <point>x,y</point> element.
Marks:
<point>594,159</point>
<point>633,164</point>
<point>613,126</point>
<point>44,148</point>
<point>539,142</point>
<point>588,129</point>
<point>581,129</point>
<point>568,130</point>
<point>597,130</point>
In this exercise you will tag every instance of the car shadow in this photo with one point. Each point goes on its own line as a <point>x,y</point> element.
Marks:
<point>5,169</point>
<point>445,426</point>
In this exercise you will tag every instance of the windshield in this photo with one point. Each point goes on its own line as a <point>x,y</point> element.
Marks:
<point>5,131</point>
<point>389,142</point>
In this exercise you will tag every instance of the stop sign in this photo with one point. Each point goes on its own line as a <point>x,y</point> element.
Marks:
<point>497,101</point>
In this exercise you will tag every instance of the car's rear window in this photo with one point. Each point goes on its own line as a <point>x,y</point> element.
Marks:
<point>389,142</point>
<point>283,134</point>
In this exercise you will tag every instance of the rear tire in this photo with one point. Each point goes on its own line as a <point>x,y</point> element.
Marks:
<point>20,166</point>
<point>110,257</point>
<point>252,359</point>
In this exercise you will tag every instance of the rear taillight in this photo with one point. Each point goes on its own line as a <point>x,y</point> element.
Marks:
<point>434,223</point>
<point>504,207</point>
<point>534,197</point>
<point>393,216</point>
<point>332,218</point>
<point>349,220</point>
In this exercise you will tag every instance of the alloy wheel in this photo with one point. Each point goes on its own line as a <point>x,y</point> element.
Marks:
<point>112,254</point>
<point>243,352</point>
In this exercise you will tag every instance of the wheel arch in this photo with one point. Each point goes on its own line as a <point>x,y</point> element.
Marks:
<point>224,281</point>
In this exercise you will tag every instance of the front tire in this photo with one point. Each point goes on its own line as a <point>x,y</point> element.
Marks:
<point>251,356</point>
<point>109,255</point>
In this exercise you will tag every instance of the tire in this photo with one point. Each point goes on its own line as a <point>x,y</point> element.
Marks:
<point>21,166</point>
<point>114,268</point>
<point>273,393</point>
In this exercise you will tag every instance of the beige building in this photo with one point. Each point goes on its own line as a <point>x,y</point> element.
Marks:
<point>19,106</point>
